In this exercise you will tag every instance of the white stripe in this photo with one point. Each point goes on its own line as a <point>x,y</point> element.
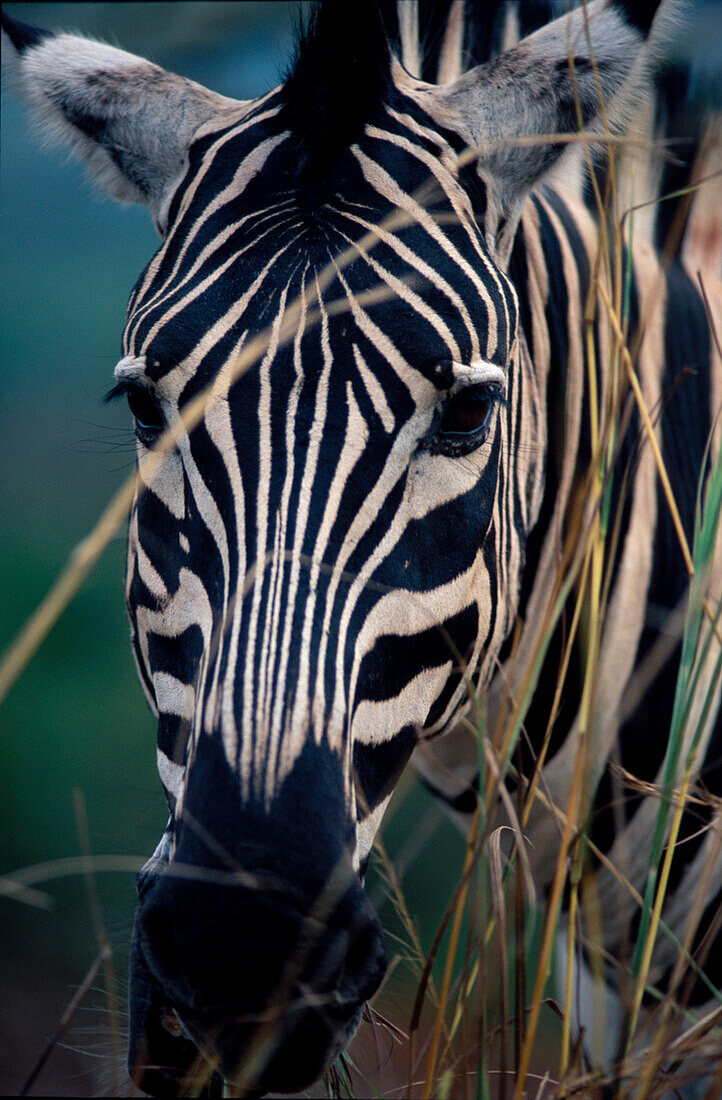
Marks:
<point>303,508</point>
<point>217,419</point>
<point>408,14</point>
<point>353,448</point>
<point>451,55</point>
<point>173,696</point>
<point>374,723</point>
<point>250,703</point>
<point>375,391</point>
<point>171,774</point>
<point>275,729</point>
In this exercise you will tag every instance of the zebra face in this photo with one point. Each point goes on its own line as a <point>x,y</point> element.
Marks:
<point>333,545</point>
<point>313,571</point>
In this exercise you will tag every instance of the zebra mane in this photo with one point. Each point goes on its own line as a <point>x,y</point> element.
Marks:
<point>339,80</point>
<point>340,76</point>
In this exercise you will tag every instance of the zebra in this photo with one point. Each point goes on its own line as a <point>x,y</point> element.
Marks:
<point>367,346</point>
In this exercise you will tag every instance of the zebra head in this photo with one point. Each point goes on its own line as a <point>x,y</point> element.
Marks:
<point>332,546</point>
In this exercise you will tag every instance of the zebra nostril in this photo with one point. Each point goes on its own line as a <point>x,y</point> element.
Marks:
<point>365,966</point>
<point>172,1024</point>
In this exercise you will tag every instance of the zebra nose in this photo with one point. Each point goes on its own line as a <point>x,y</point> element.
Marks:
<point>235,964</point>
<point>214,947</point>
<point>287,1046</point>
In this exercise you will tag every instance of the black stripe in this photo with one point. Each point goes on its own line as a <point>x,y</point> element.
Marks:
<point>377,768</point>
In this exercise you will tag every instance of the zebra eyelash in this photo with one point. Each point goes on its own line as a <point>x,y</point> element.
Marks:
<point>148,416</point>
<point>120,389</point>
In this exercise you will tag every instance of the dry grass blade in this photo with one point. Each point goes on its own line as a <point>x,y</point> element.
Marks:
<point>469,861</point>
<point>516,827</point>
<point>496,874</point>
<point>83,559</point>
<point>13,884</point>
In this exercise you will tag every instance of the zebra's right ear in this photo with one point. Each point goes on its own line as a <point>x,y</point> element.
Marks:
<point>131,121</point>
<point>589,65</point>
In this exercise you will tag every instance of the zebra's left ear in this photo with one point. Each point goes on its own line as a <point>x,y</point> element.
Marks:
<point>131,121</point>
<point>550,83</point>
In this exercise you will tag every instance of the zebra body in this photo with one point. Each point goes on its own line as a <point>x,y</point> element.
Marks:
<point>391,413</point>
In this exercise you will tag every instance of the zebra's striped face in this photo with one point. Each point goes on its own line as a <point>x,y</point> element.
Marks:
<point>318,565</point>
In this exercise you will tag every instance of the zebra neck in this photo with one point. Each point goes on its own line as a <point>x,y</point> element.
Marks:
<point>550,265</point>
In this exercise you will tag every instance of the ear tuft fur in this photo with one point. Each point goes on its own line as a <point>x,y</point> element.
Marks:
<point>22,35</point>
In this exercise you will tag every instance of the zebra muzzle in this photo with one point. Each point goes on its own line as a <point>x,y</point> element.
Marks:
<point>257,986</point>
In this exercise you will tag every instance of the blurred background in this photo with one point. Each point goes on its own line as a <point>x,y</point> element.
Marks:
<point>77,719</point>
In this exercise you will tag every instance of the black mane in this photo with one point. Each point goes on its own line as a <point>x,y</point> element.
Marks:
<point>339,80</point>
<point>340,77</point>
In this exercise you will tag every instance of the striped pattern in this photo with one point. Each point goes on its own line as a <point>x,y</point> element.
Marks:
<point>313,478</point>
<point>344,580</point>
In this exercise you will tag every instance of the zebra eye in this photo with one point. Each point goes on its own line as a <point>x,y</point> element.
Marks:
<point>465,419</point>
<point>148,417</point>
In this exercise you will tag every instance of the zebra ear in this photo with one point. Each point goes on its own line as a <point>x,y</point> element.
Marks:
<point>131,121</point>
<point>548,84</point>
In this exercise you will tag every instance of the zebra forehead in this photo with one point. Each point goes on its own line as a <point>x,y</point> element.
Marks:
<point>432,265</point>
